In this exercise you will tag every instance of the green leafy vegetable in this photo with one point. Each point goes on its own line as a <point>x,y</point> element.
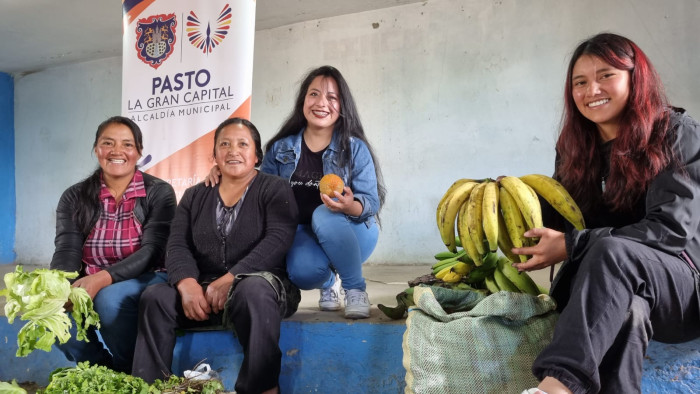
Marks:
<point>86,378</point>
<point>11,388</point>
<point>176,384</point>
<point>39,297</point>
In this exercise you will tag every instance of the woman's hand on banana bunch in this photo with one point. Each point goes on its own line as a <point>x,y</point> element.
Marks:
<point>550,250</point>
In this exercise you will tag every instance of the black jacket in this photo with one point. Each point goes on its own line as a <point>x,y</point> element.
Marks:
<point>668,217</point>
<point>258,241</point>
<point>154,212</point>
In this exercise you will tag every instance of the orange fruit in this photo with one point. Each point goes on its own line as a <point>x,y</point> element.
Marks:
<point>331,183</point>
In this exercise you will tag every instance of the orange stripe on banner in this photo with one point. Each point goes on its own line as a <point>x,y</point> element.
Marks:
<point>137,10</point>
<point>192,163</point>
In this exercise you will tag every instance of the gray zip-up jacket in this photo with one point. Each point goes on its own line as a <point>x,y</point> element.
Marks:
<point>668,218</point>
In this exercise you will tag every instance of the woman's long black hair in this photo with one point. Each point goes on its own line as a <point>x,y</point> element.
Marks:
<point>348,123</point>
<point>88,204</point>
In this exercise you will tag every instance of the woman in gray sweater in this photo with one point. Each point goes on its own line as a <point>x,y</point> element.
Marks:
<point>226,264</point>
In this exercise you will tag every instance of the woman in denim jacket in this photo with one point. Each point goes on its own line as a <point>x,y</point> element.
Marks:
<point>324,135</point>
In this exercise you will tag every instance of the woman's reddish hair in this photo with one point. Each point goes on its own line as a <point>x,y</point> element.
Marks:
<point>640,150</point>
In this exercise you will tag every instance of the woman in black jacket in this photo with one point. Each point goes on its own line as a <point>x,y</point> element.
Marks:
<point>632,163</point>
<point>112,228</point>
<point>226,265</point>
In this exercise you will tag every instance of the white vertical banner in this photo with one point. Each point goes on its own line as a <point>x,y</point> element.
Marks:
<point>187,66</point>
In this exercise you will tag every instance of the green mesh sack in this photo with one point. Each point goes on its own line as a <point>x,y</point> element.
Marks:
<point>489,348</point>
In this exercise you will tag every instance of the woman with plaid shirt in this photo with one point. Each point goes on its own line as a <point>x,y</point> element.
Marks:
<point>112,228</point>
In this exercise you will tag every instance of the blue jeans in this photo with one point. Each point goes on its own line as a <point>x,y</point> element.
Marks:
<point>332,242</point>
<point>118,306</point>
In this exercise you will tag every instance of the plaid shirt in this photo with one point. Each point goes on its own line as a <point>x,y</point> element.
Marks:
<point>117,233</point>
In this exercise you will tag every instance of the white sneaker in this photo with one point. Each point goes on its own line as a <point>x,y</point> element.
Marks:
<point>356,304</point>
<point>330,297</point>
<point>533,391</point>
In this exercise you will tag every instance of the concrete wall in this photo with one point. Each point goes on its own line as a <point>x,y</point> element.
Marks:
<point>446,89</point>
<point>57,113</point>
<point>7,169</point>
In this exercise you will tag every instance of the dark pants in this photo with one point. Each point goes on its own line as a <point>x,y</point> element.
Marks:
<point>253,311</point>
<point>118,306</point>
<point>621,295</point>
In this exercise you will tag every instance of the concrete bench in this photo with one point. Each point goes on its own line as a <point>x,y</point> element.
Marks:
<point>334,357</point>
<point>325,353</point>
<point>322,357</point>
<point>318,356</point>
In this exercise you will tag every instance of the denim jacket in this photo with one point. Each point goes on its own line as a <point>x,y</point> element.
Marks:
<point>283,157</point>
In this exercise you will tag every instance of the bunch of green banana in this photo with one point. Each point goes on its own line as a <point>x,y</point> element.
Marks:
<point>494,214</point>
<point>454,272</point>
<point>450,261</point>
<point>457,268</point>
<point>505,277</point>
<point>477,276</point>
<point>495,274</point>
<point>457,271</point>
<point>454,267</point>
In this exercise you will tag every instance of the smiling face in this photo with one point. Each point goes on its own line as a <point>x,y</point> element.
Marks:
<point>322,103</point>
<point>116,152</point>
<point>235,151</point>
<point>601,93</point>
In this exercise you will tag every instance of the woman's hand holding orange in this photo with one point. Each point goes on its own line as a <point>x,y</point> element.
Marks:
<point>344,203</point>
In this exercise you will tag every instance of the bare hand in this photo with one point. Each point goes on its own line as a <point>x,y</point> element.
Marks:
<point>550,250</point>
<point>217,292</point>
<point>94,283</point>
<point>344,203</point>
<point>213,177</point>
<point>194,303</point>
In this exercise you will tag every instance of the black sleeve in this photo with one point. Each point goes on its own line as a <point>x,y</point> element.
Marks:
<point>68,253</point>
<point>180,261</point>
<point>672,203</point>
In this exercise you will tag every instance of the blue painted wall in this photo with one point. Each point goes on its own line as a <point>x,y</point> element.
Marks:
<point>7,169</point>
<point>325,357</point>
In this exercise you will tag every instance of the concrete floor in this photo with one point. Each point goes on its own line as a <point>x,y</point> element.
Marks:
<point>384,282</point>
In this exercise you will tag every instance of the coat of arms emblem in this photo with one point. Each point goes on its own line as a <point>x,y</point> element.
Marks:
<point>155,37</point>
